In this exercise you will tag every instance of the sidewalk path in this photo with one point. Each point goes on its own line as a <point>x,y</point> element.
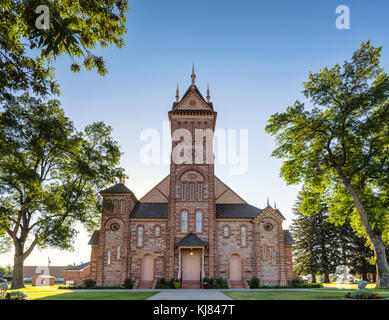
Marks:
<point>190,294</point>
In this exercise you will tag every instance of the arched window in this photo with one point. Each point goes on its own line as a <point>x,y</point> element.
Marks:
<point>157,231</point>
<point>199,221</point>
<point>226,231</point>
<point>184,221</point>
<point>109,257</point>
<point>118,252</point>
<point>140,236</point>
<point>243,234</point>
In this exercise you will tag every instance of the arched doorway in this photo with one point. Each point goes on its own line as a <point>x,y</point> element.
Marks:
<point>148,268</point>
<point>235,268</point>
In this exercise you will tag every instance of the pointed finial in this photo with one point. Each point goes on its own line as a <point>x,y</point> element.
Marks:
<point>177,94</point>
<point>208,96</point>
<point>275,206</point>
<point>268,201</point>
<point>193,76</point>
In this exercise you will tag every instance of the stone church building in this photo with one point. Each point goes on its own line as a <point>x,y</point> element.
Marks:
<point>190,225</point>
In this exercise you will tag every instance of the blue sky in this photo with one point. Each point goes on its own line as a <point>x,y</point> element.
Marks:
<point>254,55</point>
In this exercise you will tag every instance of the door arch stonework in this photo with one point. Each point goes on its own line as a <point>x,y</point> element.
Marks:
<point>148,268</point>
<point>235,267</point>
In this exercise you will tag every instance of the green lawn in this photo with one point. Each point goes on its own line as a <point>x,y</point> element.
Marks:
<point>284,295</point>
<point>138,295</point>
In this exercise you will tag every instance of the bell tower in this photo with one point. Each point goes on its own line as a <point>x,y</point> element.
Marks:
<point>192,206</point>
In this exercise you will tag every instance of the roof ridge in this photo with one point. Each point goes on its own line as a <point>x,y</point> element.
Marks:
<point>193,88</point>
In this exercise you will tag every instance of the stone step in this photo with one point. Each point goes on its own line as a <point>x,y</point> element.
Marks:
<point>189,284</point>
<point>145,285</point>
<point>236,284</point>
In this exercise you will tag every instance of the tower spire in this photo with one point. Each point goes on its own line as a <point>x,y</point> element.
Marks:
<point>208,95</point>
<point>275,206</point>
<point>193,76</point>
<point>177,94</point>
<point>268,201</point>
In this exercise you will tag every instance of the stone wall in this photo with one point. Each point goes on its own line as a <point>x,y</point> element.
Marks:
<point>232,244</point>
<point>152,245</point>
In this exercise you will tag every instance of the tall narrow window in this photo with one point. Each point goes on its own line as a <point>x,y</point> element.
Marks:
<point>226,231</point>
<point>183,192</point>
<point>140,236</point>
<point>109,257</point>
<point>199,221</point>
<point>243,234</point>
<point>200,191</point>
<point>118,252</point>
<point>157,231</point>
<point>184,221</point>
<point>274,256</point>
<point>191,191</point>
<point>264,252</point>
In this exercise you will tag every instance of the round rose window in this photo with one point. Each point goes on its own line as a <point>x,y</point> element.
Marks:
<point>268,226</point>
<point>115,227</point>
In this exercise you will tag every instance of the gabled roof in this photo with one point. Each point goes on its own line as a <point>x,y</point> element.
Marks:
<point>279,212</point>
<point>288,239</point>
<point>160,193</point>
<point>79,267</point>
<point>236,210</point>
<point>117,188</point>
<point>197,91</point>
<point>150,210</point>
<point>94,238</point>
<point>191,240</point>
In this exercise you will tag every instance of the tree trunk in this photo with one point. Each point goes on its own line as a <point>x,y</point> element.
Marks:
<point>364,276</point>
<point>378,244</point>
<point>313,278</point>
<point>17,275</point>
<point>374,277</point>
<point>326,278</point>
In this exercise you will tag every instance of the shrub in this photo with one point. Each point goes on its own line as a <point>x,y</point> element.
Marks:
<point>308,285</point>
<point>210,282</point>
<point>177,285</point>
<point>221,283</point>
<point>296,282</point>
<point>171,283</point>
<point>162,284</point>
<point>254,283</point>
<point>89,283</point>
<point>363,294</point>
<point>128,284</point>
<point>16,295</point>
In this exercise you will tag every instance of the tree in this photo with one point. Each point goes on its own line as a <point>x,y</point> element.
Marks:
<point>316,248</point>
<point>357,253</point>
<point>75,28</point>
<point>49,176</point>
<point>342,143</point>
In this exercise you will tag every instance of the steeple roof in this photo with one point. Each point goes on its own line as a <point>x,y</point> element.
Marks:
<point>117,188</point>
<point>199,106</point>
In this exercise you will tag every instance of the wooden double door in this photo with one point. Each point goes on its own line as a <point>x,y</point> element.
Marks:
<point>191,265</point>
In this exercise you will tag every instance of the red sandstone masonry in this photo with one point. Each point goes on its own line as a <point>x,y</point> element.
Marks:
<point>162,248</point>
